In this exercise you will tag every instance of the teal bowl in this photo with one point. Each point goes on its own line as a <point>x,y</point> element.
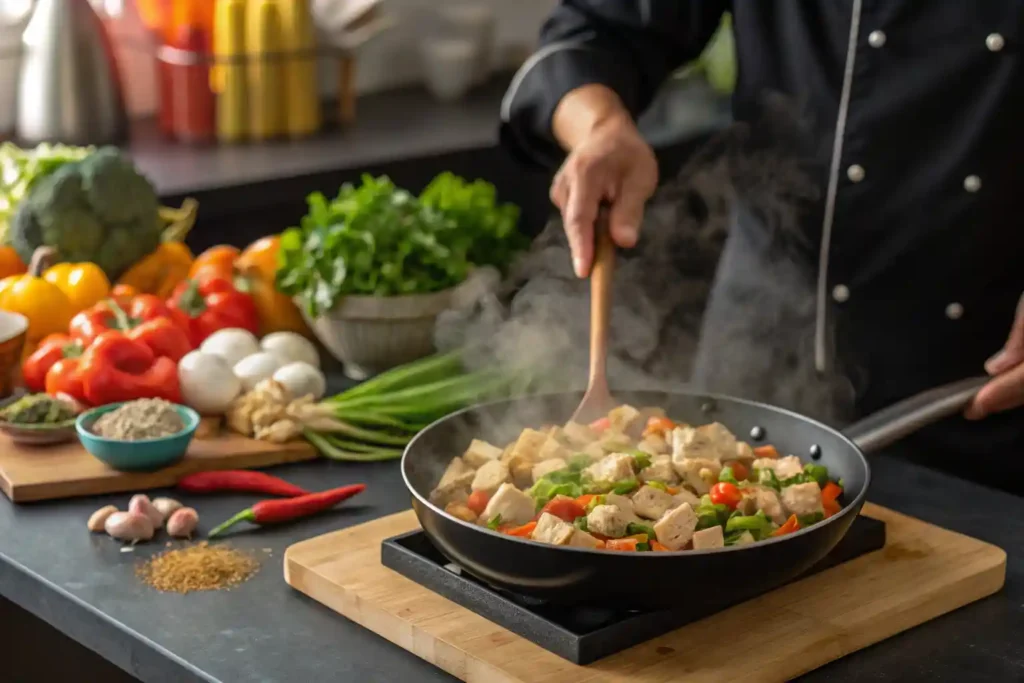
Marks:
<point>141,455</point>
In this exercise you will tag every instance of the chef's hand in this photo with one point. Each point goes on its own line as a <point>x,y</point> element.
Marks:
<point>608,161</point>
<point>1006,388</point>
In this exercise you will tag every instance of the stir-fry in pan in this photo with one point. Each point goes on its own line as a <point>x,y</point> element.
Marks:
<point>636,481</point>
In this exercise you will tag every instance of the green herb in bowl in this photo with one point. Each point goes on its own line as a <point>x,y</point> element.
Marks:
<point>38,419</point>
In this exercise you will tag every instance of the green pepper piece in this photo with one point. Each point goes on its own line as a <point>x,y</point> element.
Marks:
<point>818,473</point>
<point>580,523</point>
<point>579,462</point>
<point>766,477</point>
<point>754,523</point>
<point>657,485</point>
<point>641,460</point>
<point>494,522</point>
<point>625,486</point>
<point>808,520</point>
<point>728,475</point>
<point>634,528</point>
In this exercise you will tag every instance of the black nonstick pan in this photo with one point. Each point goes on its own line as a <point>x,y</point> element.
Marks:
<point>576,576</point>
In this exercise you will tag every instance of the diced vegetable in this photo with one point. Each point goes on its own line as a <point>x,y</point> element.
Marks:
<point>658,425</point>
<point>767,451</point>
<point>727,494</point>
<point>757,524</point>
<point>818,473</point>
<point>810,520</point>
<point>600,425</point>
<point>657,485</point>
<point>622,544</point>
<point>727,475</point>
<point>584,500</point>
<point>792,524</point>
<point>478,501</point>
<point>658,547</point>
<point>641,460</point>
<point>523,531</point>
<point>635,528</point>
<point>625,486</point>
<point>494,522</point>
<point>739,471</point>
<point>565,509</point>
<point>766,477</point>
<point>578,462</point>
<point>580,523</point>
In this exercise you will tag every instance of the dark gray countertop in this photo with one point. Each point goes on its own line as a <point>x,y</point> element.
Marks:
<point>264,631</point>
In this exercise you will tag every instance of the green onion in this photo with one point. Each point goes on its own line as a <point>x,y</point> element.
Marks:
<point>494,522</point>
<point>425,371</point>
<point>330,450</point>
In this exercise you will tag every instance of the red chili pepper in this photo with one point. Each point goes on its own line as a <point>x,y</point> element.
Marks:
<point>239,480</point>
<point>274,511</point>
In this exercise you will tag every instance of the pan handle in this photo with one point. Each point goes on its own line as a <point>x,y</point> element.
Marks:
<point>891,424</point>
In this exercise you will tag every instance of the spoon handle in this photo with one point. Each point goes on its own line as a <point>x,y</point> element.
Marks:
<point>600,299</point>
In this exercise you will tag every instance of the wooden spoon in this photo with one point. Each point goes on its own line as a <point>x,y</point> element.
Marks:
<point>598,401</point>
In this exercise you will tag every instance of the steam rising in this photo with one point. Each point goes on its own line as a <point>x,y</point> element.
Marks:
<point>758,340</point>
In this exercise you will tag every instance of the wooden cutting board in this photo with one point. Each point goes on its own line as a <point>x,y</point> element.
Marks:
<point>30,473</point>
<point>923,571</point>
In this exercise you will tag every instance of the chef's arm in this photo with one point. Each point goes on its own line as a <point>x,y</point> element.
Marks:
<point>628,46</point>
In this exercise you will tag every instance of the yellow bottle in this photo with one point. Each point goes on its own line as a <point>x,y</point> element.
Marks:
<point>301,92</point>
<point>265,43</point>
<point>228,77</point>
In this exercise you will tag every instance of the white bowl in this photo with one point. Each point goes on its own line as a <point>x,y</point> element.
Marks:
<point>449,66</point>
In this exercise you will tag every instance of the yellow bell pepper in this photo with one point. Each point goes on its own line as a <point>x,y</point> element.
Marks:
<point>161,271</point>
<point>85,284</point>
<point>47,308</point>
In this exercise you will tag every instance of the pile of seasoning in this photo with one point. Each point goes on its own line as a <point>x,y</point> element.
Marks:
<point>145,418</point>
<point>200,567</point>
<point>37,409</point>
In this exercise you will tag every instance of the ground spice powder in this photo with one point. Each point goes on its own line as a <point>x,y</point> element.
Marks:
<point>200,567</point>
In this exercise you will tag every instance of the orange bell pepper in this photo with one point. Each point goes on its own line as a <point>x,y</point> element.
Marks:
<point>524,531</point>
<point>792,524</point>
<point>767,451</point>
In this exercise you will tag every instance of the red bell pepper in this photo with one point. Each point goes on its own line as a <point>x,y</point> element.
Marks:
<point>116,368</point>
<point>163,337</point>
<point>51,349</point>
<point>65,377</point>
<point>111,314</point>
<point>830,498</point>
<point>792,524</point>
<point>211,304</point>
<point>524,531</point>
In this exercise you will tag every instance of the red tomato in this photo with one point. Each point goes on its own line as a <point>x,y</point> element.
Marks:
<point>791,525</point>
<point>478,501</point>
<point>601,424</point>
<point>565,509</point>
<point>740,471</point>
<point>725,493</point>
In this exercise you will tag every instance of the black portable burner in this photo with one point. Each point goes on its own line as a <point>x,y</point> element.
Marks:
<point>580,634</point>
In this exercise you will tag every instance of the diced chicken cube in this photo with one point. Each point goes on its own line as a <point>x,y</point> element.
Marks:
<point>784,468</point>
<point>624,504</point>
<point>711,441</point>
<point>802,499</point>
<point>514,506</point>
<point>520,467</point>
<point>624,418</point>
<point>480,453</point>
<point>607,520</point>
<point>457,472</point>
<point>652,503</point>
<point>553,448</point>
<point>762,498</point>
<point>579,435</point>
<point>528,444</point>
<point>581,539</point>
<point>460,511</point>
<point>455,492</point>
<point>685,496</point>
<point>551,529</point>
<point>489,477</point>
<point>744,453</point>
<point>655,444</point>
<point>676,527</point>
<point>712,537</point>
<point>547,467</point>
<point>698,473</point>
<point>611,468</point>
<point>660,469</point>
<point>615,442</point>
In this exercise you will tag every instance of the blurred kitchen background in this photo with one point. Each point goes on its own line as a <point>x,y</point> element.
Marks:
<point>249,105</point>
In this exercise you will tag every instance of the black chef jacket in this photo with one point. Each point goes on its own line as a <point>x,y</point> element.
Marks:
<point>917,244</point>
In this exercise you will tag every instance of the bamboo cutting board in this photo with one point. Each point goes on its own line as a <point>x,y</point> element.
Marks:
<point>923,571</point>
<point>32,473</point>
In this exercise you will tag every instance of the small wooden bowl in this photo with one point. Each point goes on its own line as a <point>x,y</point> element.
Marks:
<point>40,435</point>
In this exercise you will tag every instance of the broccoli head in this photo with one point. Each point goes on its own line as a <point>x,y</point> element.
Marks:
<point>99,209</point>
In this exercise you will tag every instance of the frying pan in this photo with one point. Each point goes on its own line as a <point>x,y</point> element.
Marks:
<point>577,576</point>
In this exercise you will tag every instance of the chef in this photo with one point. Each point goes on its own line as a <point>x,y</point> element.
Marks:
<point>915,252</point>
